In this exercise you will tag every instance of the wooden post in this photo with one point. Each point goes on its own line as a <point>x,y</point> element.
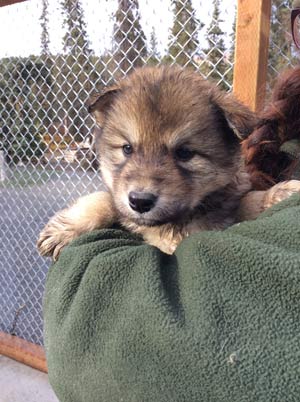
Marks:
<point>23,351</point>
<point>9,2</point>
<point>251,52</point>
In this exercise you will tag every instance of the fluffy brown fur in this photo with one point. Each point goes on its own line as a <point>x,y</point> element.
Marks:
<point>279,122</point>
<point>170,157</point>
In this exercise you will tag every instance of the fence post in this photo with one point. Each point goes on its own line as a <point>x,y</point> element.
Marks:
<point>9,2</point>
<point>23,351</point>
<point>251,52</point>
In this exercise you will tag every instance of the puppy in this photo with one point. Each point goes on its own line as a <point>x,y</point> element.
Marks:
<point>170,157</point>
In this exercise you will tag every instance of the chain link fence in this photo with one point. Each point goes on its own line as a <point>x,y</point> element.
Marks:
<point>62,52</point>
<point>282,52</point>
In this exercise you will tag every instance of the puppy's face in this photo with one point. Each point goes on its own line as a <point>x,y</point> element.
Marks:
<point>168,140</point>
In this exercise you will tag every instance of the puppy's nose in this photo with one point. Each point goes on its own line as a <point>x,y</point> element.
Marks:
<point>141,202</point>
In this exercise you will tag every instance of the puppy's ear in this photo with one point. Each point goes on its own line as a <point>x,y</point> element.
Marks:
<point>100,104</point>
<point>239,118</point>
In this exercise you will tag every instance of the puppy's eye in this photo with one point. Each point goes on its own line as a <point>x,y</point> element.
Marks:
<point>127,149</point>
<point>184,154</point>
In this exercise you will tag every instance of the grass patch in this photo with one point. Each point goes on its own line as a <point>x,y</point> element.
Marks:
<point>21,178</point>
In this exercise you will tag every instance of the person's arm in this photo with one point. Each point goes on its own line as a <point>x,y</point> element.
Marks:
<point>217,321</point>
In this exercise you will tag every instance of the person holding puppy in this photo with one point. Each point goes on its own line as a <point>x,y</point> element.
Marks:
<point>217,320</point>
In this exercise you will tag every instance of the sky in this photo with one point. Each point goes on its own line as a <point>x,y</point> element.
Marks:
<point>20,29</point>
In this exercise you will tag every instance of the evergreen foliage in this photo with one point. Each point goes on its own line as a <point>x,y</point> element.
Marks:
<point>231,51</point>
<point>129,39</point>
<point>22,119</point>
<point>153,54</point>
<point>184,42</point>
<point>44,21</point>
<point>71,71</point>
<point>215,65</point>
<point>75,39</point>
<point>280,52</point>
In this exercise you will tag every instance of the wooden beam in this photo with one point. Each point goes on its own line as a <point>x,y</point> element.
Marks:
<point>251,52</point>
<point>9,2</point>
<point>23,351</point>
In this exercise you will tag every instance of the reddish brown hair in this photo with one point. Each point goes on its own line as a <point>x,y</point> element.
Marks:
<point>279,122</point>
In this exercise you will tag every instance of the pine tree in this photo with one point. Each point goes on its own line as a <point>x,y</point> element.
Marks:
<point>75,39</point>
<point>154,55</point>
<point>72,71</point>
<point>231,53</point>
<point>280,52</point>
<point>215,65</point>
<point>21,114</point>
<point>45,40</point>
<point>45,92</point>
<point>184,41</point>
<point>129,38</point>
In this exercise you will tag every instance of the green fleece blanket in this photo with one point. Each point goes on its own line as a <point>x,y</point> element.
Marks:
<point>217,321</point>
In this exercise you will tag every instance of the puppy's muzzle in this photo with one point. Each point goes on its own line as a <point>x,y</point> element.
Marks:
<point>141,202</point>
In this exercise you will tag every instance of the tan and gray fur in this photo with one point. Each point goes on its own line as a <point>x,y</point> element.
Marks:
<point>171,160</point>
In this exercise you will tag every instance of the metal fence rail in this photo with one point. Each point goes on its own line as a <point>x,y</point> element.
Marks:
<point>65,50</point>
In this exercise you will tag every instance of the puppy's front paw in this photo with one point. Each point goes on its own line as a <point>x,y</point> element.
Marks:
<point>280,192</point>
<point>94,211</point>
<point>58,232</point>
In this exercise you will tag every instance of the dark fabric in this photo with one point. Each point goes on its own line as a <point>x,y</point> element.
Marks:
<point>292,149</point>
<point>217,321</point>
